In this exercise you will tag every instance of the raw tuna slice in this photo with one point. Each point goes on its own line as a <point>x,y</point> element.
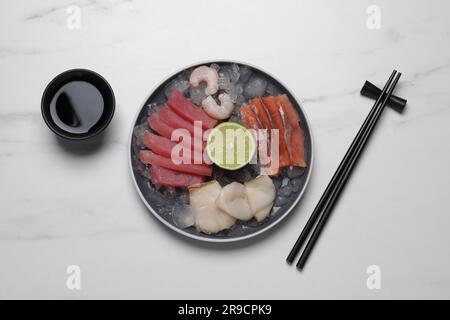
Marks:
<point>163,146</point>
<point>174,120</point>
<point>189,111</point>
<point>149,157</point>
<point>159,126</point>
<point>166,130</point>
<point>294,137</point>
<point>166,177</point>
<point>279,123</point>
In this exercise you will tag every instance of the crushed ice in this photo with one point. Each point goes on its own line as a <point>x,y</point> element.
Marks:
<point>182,216</point>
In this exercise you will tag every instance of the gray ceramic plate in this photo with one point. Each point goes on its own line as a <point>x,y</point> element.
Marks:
<point>167,205</point>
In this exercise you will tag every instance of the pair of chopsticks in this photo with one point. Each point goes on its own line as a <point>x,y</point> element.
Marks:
<point>328,200</point>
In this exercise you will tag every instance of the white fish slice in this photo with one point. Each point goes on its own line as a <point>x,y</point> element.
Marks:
<point>208,217</point>
<point>262,214</point>
<point>232,200</point>
<point>260,193</point>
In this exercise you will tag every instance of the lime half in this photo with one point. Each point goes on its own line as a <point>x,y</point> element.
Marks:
<point>230,145</point>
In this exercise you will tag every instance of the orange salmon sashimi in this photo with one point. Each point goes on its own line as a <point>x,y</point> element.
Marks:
<point>261,113</point>
<point>251,121</point>
<point>174,120</point>
<point>294,137</point>
<point>149,157</point>
<point>249,117</point>
<point>165,130</point>
<point>277,121</point>
<point>166,177</point>
<point>189,111</point>
<point>163,146</point>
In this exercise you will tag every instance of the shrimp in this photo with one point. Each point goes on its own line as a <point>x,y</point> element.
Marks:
<point>208,75</point>
<point>219,112</point>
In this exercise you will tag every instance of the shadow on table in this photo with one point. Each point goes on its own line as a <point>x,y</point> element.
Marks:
<point>86,147</point>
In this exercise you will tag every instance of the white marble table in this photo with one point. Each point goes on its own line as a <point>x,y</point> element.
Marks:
<point>64,205</point>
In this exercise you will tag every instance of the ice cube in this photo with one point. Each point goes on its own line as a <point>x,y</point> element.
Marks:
<point>276,183</point>
<point>281,201</point>
<point>197,93</point>
<point>182,216</point>
<point>224,81</point>
<point>178,84</point>
<point>245,73</point>
<point>139,131</point>
<point>293,172</point>
<point>152,108</point>
<point>255,87</point>
<point>285,181</point>
<point>272,90</point>
<point>296,183</point>
<point>231,72</point>
<point>235,91</point>
<point>215,66</point>
<point>286,191</point>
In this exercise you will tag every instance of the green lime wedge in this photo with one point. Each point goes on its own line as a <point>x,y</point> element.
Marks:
<point>230,145</point>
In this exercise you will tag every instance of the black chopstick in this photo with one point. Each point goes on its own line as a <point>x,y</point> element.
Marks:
<point>331,185</point>
<point>343,179</point>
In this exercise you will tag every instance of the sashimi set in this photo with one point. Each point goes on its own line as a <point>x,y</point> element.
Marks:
<point>221,151</point>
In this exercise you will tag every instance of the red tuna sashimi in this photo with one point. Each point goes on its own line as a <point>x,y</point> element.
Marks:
<point>159,126</point>
<point>294,138</point>
<point>149,157</point>
<point>166,177</point>
<point>278,123</point>
<point>174,120</point>
<point>189,111</point>
<point>163,146</point>
<point>166,130</point>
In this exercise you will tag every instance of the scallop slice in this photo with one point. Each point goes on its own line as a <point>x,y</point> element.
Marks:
<point>262,214</point>
<point>208,217</point>
<point>232,200</point>
<point>260,193</point>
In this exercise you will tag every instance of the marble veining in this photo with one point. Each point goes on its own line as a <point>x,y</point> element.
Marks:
<point>64,203</point>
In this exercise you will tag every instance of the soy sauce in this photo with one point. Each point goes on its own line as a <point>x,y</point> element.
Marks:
<point>77,107</point>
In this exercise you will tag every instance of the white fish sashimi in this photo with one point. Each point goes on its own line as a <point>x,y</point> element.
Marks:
<point>262,214</point>
<point>260,193</point>
<point>232,200</point>
<point>208,217</point>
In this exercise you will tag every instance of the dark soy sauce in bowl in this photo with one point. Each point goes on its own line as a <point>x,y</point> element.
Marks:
<point>78,104</point>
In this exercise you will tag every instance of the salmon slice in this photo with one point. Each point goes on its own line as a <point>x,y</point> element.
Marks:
<point>249,117</point>
<point>278,122</point>
<point>149,157</point>
<point>261,113</point>
<point>165,130</point>
<point>251,121</point>
<point>189,111</point>
<point>175,121</point>
<point>294,138</point>
<point>163,146</point>
<point>166,177</point>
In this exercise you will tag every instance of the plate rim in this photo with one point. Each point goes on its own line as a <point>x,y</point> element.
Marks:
<point>219,240</point>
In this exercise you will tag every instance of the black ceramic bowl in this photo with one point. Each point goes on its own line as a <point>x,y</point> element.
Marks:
<point>86,76</point>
